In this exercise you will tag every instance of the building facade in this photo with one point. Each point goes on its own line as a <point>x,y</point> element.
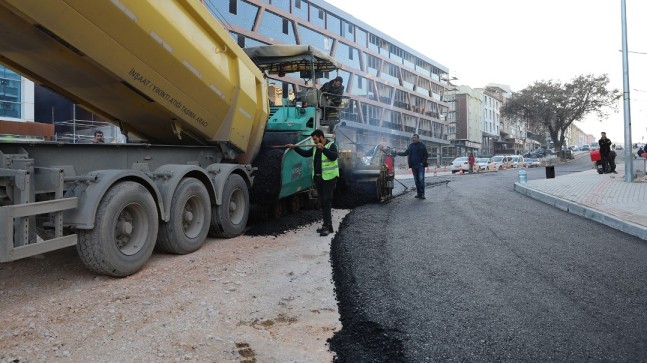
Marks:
<point>16,96</point>
<point>395,91</point>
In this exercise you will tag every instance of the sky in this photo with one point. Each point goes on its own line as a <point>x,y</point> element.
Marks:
<point>519,42</point>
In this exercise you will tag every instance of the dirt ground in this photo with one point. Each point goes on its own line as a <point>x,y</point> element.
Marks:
<point>247,299</point>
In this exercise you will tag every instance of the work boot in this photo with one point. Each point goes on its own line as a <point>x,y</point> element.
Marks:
<point>417,196</point>
<point>422,196</point>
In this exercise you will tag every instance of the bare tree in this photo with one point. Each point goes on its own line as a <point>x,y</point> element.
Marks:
<point>554,106</point>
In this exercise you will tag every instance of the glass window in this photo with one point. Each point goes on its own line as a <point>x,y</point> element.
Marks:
<point>245,42</point>
<point>314,38</point>
<point>392,120</point>
<point>423,86</point>
<point>272,22</point>
<point>300,9</point>
<point>372,114</point>
<point>372,64</point>
<point>333,24</point>
<point>244,13</point>
<point>282,4</point>
<point>385,92</point>
<point>317,16</point>
<point>360,37</point>
<point>363,87</point>
<point>401,100</point>
<point>408,79</point>
<point>347,55</point>
<point>390,72</point>
<point>10,93</point>
<point>348,30</point>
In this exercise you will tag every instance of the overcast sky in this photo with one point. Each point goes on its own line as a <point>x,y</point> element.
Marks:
<point>518,42</point>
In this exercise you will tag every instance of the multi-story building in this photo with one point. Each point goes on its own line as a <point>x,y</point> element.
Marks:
<point>469,109</point>
<point>395,91</point>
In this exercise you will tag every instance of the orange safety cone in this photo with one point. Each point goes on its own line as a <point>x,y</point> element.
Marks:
<point>460,172</point>
<point>436,171</point>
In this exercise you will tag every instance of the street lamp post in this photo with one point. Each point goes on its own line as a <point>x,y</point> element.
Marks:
<point>629,165</point>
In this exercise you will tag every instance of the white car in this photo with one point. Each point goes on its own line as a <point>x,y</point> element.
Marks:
<point>517,161</point>
<point>459,164</point>
<point>485,164</point>
<point>502,162</point>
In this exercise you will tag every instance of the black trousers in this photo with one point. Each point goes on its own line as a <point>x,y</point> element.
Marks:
<point>325,190</point>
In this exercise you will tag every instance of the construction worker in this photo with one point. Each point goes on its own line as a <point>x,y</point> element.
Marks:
<point>325,171</point>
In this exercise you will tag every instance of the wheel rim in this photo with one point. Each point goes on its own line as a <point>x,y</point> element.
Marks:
<point>193,217</point>
<point>131,229</point>
<point>237,206</point>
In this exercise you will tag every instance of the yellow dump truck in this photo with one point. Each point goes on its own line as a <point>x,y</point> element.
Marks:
<point>189,99</point>
<point>196,111</point>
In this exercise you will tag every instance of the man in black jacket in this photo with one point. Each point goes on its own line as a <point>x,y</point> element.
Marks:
<point>605,151</point>
<point>417,159</point>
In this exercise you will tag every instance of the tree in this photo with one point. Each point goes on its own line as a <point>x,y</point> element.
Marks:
<point>554,106</point>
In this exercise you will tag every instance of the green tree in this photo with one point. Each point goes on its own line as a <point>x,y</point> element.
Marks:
<point>553,106</point>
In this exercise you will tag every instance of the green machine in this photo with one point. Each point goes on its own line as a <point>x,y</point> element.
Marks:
<point>283,177</point>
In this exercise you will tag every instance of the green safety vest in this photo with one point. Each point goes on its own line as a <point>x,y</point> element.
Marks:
<point>329,169</point>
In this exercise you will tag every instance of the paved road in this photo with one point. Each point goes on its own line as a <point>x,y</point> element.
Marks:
<point>478,272</point>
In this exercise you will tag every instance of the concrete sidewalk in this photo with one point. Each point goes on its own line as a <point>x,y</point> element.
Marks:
<point>604,198</point>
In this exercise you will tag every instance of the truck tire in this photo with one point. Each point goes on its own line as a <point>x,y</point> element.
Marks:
<point>229,219</point>
<point>267,179</point>
<point>190,218</point>
<point>124,232</point>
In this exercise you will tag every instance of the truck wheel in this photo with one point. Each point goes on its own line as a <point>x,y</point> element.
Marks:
<point>124,232</point>
<point>229,219</point>
<point>190,218</point>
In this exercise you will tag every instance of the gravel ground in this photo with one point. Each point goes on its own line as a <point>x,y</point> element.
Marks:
<point>246,299</point>
<point>266,296</point>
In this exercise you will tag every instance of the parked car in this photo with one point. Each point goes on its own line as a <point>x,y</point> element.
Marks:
<point>537,153</point>
<point>619,147</point>
<point>532,162</point>
<point>501,162</point>
<point>517,161</point>
<point>485,164</point>
<point>594,147</point>
<point>585,147</point>
<point>459,164</point>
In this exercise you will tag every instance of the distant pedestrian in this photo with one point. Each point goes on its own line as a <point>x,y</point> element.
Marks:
<point>470,161</point>
<point>325,171</point>
<point>417,159</point>
<point>605,149</point>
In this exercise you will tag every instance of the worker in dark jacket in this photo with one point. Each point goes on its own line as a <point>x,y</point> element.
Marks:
<point>605,151</point>
<point>325,171</point>
<point>417,158</point>
<point>332,92</point>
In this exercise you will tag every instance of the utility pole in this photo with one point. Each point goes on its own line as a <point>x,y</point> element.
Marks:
<point>629,164</point>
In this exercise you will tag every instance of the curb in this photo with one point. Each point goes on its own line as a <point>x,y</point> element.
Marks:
<point>584,211</point>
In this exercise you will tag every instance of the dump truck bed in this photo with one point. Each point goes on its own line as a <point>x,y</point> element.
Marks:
<point>164,70</point>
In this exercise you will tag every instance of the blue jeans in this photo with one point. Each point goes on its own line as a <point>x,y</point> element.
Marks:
<point>419,177</point>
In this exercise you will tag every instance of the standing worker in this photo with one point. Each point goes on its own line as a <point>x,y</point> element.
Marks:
<point>417,159</point>
<point>605,151</point>
<point>325,170</point>
<point>470,161</point>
